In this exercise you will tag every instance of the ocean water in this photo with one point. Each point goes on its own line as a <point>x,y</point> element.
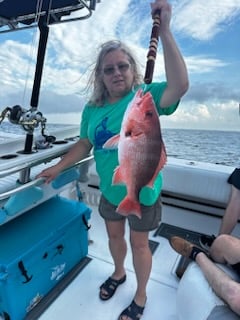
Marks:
<point>11,130</point>
<point>218,147</point>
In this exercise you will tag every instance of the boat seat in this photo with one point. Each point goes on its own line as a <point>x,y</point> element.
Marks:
<point>196,299</point>
<point>205,185</point>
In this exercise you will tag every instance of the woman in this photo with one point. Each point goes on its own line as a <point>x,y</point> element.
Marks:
<point>115,81</point>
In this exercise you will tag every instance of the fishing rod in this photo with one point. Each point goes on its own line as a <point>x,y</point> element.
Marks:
<point>152,52</point>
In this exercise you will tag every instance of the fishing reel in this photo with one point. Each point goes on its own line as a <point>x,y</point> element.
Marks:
<point>29,120</point>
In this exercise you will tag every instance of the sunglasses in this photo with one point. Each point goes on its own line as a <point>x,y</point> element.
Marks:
<point>122,67</point>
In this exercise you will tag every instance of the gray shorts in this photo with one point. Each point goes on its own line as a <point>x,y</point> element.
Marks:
<point>151,215</point>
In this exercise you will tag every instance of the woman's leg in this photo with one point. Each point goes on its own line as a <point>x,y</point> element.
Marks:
<point>117,246</point>
<point>142,261</point>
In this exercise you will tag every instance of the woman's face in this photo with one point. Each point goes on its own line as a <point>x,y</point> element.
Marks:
<point>117,74</point>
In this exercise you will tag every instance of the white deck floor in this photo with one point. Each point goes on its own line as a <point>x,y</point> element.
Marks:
<point>80,299</point>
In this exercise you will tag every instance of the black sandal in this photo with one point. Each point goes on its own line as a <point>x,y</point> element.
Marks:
<point>133,311</point>
<point>110,286</point>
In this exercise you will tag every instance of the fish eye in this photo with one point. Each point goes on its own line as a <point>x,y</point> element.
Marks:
<point>128,133</point>
<point>149,114</point>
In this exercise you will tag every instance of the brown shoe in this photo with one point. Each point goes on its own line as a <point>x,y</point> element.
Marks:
<point>185,248</point>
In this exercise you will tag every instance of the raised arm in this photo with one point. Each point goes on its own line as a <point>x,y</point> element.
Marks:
<point>176,71</point>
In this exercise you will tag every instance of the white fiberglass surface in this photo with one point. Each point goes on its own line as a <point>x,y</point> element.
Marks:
<point>80,299</point>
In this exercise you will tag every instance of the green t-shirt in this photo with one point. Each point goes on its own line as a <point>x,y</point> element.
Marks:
<point>98,124</point>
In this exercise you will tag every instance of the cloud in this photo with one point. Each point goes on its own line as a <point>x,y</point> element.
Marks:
<point>203,64</point>
<point>202,92</point>
<point>52,102</point>
<point>77,42</point>
<point>203,20</point>
<point>72,49</point>
<point>212,116</point>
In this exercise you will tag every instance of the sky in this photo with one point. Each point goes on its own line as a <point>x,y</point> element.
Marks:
<point>207,33</point>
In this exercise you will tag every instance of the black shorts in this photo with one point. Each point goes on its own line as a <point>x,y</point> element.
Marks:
<point>234,178</point>
<point>151,215</point>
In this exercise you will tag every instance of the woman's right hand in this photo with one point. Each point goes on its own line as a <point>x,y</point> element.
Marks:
<point>49,173</point>
<point>79,150</point>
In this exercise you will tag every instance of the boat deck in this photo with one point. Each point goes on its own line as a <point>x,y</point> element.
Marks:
<point>194,198</point>
<point>80,299</point>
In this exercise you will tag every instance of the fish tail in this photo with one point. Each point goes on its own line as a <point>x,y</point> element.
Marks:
<point>129,206</point>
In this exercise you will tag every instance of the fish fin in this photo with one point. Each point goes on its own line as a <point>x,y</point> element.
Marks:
<point>163,158</point>
<point>112,143</point>
<point>139,93</point>
<point>162,162</point>
<point>117,177</point>
<point>128,207</point>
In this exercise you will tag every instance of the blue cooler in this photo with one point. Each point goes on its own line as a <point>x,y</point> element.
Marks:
<point>37,249</point>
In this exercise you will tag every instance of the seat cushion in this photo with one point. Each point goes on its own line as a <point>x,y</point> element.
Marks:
<point>222,313</point>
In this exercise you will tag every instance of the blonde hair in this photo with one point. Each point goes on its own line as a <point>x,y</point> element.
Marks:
<point>100,93</point>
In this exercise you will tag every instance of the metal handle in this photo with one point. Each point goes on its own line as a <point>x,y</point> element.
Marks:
<point>32,163</point>
<point>38,181</point>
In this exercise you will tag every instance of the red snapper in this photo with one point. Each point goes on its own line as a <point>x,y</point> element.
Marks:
<point>141,151</point>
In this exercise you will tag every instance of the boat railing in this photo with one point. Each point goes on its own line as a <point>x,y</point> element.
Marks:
<point>30,164</point>
<point>36,182</point>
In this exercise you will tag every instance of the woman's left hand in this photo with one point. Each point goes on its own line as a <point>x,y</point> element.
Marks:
<point>165,12</point>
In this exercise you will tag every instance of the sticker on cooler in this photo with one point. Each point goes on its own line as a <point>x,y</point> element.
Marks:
<point>58,272</point>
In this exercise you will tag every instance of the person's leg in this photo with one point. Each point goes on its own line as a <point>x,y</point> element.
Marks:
<point>117,246</point>
<point>142,256</point>
<point>221,283</point>
<point>232,212</point>
<point>141,253</point>
<point>118,250</point>
<point>142,261</point>
<point>115,226</point>
<point>226,249</point>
